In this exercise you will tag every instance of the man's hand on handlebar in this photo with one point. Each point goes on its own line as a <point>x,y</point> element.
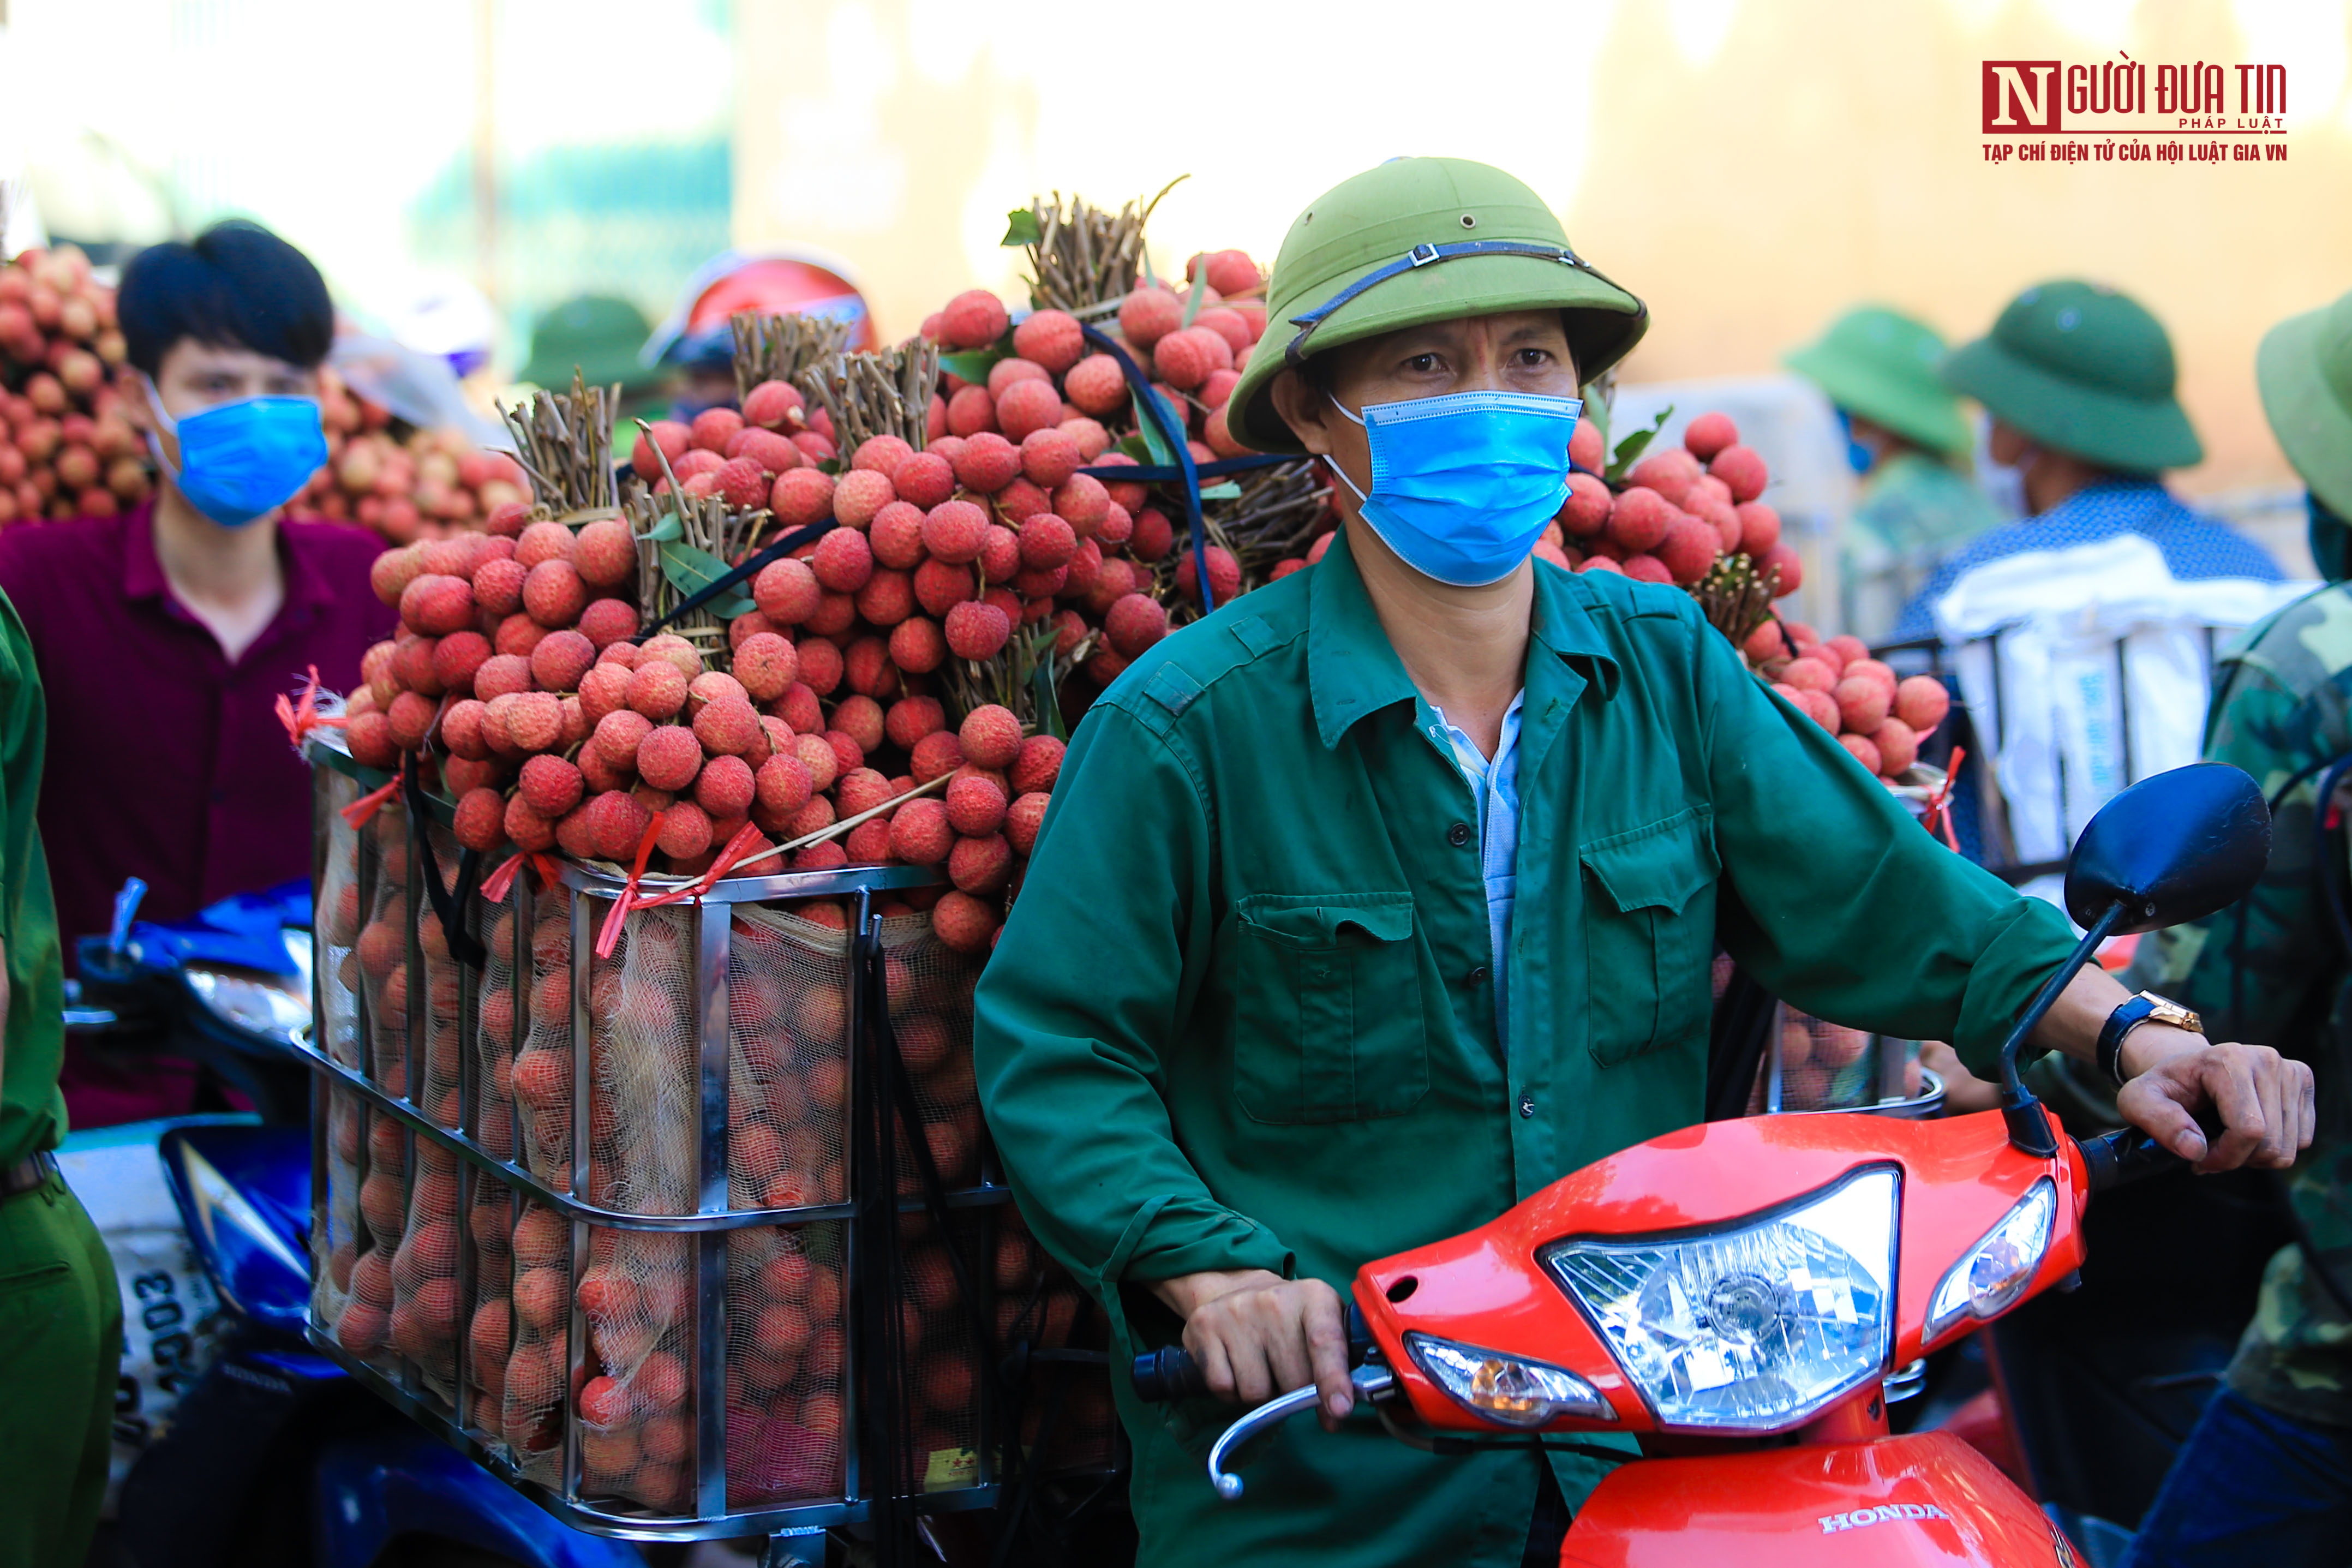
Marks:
<point>1257,1335</point>
<point>2267,1101</point>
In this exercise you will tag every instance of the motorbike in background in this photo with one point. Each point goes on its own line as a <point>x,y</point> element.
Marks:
<point>257,1451</point>
<point>1739,1297</point>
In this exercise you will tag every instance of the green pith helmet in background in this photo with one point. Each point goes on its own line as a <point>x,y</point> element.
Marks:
<point>2304,372</point>
<point>1881,365</point>
<point>599,334</point>
<point>1418,240</point>
<point>2079,368</point>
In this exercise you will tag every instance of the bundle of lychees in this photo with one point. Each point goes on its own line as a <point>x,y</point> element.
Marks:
<point>65,450</point>
<point>425,485</point>
<point>1881,719</point>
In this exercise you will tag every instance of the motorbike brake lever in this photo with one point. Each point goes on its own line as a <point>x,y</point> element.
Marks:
<point>1372,1383</point>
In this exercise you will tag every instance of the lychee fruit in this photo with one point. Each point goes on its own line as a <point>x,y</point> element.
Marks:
<point>1586,511</point>
<point>920,833</point>
<point>954,532</point>
<point>669,438</point>
<point>497,585</point>
<point>1224,576</point>
<point>1709,434</point>
<point>1046,542</point>
<point>787,591</point>
<point>1689,548</point>
<point>973,320</point>
<point>1639,519</point>
<point>1862,703</point>
<point>1037,767</point>
<point>976,630</point>
<point>844,561</point>
<point>1147,315</point>
<point>771,405</point>
<point>964,923</point>
<point>560,660</point>
<point>726,787</point>
<point>481,818</point>
<point>860,493</point>
<point>657,690</point>
<point>669,757</point>
<point>1096,385</point>
<point>1742,469</point>
<point>990,735</point>
<point>1898,746</point>
<point>988,463</point>
<point>1027,407</point>
<point>1050,338</point>
<point>934,756</point>
<point>607,621</point>
<point>783,784</point>
<point>1865,751</point>
<point>552,785</point>
<point>1670,471</point>
<point>726,727</point>
<point>800,497</point>
<point>553,594</point>
<point>1920,701</point>
<point>1134,624</point>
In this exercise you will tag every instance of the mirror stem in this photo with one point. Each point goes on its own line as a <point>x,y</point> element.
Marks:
<point>2029,1123</point>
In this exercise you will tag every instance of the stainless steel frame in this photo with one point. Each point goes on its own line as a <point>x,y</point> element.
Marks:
<point>709,1224</point>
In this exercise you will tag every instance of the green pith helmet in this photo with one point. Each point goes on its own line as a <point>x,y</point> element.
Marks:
<point>1881,365</point>
<point>2081,369</point>
<point>2304,372</point>
<point>1418,240</point>
<point>599,334</point>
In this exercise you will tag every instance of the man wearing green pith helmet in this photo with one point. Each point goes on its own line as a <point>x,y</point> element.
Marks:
<point>2080,382</point>
<point>1388,894</point>
<point>1907,442</point>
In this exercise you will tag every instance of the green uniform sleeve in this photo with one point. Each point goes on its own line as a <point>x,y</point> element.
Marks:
<point>2266,968</point>
<point>1839,902</point>
<point>1086,990</point>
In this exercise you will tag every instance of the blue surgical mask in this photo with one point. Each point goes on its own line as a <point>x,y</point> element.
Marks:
<point>240,460</point>
<point>1463,485</point>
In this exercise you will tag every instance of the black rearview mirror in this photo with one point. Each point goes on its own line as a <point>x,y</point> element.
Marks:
<point>2171,849</point>
<point>2174,848</point>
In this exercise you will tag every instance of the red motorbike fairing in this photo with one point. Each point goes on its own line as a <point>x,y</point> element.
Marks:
<point>1928,1498</point>
<point>1486,1288</point>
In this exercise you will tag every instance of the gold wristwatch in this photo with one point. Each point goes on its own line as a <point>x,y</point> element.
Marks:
<point>2145,1007</point>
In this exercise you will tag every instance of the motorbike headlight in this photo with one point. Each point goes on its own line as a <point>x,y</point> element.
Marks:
<point>258,1005</point>
<point>1756,1326</point>
<point>1995,1272</point>
<point>1504,1389</point>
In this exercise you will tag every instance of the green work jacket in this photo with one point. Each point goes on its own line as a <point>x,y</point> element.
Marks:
<point>1241,1014</point>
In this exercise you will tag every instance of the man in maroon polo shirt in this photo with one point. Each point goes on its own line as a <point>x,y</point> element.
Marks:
<point>164,636</point>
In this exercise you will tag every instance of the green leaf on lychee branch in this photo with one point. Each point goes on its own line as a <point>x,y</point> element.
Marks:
<point>972,365</point>
<point>1155,443</point>
<point>667,529</point>
<point>1227,490</point>
<point>1630,450</point>
<point>690,571</point>
<point>1020,228</point>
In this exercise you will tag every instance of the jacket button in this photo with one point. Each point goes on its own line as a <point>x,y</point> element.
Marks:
<point>1527,1105</point>
<point>1458,835</point>
<point>1478,976</point>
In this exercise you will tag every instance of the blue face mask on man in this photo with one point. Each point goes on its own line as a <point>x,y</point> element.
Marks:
<point>240,460</point>
<point>1463,485</point>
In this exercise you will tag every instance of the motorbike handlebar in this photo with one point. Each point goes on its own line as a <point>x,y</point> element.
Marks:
<point>2127,1155</point>
<point>1171,1374</point>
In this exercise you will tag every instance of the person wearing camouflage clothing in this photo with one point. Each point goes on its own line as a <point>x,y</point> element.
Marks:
<point>2266,1476</point>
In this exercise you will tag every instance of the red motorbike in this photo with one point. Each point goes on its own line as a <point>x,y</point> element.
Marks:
<point>1738,1296</point>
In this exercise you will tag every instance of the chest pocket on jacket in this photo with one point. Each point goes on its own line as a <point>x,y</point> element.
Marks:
<point>1327,1022</point>
<point>1648,936</point>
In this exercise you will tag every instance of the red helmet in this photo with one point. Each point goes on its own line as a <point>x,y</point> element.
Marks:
<point>698,333</point>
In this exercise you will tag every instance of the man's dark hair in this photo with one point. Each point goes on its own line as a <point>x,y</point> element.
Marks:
<point>237,285</point>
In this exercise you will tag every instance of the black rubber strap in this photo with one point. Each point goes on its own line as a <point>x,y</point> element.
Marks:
<point>1148,405</point>
<point>448,904</point>
<point>739,575</point>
